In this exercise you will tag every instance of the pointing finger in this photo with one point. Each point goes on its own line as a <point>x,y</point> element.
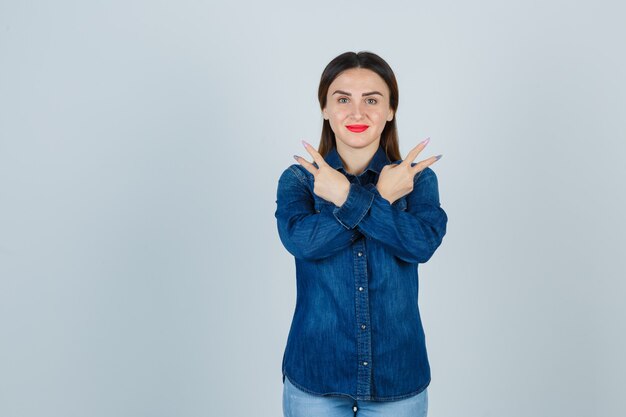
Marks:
<point>410,157</point>
<point>306,164</point>
<point>425,163</point>
<point>317,157</point>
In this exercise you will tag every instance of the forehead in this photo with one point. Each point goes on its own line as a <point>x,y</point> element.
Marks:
<point>359,80</point>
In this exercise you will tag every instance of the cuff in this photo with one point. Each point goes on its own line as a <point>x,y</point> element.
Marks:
<point>355,207</point>
<point>372,187</point>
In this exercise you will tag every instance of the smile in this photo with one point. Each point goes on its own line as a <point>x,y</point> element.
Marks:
<point>357,128</point>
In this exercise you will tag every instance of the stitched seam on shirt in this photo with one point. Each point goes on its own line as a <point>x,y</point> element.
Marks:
<point>368,208</point>
<point>308,391</point>
<point>299,175</point>
<point>339,220</point>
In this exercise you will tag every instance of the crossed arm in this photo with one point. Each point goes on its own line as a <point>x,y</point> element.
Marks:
<point>412,235</point>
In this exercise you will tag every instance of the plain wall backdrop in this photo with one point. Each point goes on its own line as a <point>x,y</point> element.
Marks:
<point>141,273</point>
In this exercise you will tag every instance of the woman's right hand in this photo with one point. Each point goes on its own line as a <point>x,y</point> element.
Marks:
<point>396,180</point>
<point>329,184</point>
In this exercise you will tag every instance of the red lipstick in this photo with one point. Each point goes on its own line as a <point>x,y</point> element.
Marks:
<point>357,128</point>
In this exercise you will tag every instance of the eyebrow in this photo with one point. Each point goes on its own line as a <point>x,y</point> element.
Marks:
<point>362,95</point>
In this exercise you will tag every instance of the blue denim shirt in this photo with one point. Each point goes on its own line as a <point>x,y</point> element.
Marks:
<point>356,328</point>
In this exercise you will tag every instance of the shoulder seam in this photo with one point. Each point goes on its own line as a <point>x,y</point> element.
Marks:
<point>298,174</point>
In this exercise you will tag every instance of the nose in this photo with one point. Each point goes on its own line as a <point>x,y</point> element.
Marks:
<point>356,110</point>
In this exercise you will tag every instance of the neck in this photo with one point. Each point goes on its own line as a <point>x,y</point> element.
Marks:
<point>355,160</point>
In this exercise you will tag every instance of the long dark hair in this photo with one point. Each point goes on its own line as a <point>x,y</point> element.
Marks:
<point>370,61</point>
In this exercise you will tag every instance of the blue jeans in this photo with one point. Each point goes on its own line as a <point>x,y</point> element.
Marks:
<point>297,403</point>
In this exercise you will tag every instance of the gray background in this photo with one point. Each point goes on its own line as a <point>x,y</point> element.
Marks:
<point>141,273</point>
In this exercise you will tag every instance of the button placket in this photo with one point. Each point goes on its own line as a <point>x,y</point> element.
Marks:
<point>364,378</point>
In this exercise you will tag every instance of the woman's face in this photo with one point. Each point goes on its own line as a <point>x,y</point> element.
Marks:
<point>357,108</point>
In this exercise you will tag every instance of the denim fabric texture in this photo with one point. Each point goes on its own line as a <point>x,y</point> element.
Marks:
<point>356,329</point>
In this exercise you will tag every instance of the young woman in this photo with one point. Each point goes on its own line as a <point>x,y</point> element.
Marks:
<point>358,221</point>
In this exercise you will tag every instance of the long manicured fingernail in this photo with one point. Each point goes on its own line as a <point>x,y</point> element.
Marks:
<point>425,141</point>
<point>438,157</point>
<point>296,157</point>
<point>305,143</point>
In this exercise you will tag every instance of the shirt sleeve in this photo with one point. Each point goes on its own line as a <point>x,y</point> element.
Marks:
<point>305,232</point>
<point>413,234</point>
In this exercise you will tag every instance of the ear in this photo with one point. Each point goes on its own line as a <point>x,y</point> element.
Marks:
<point>390,115</point>
<point>325,114</point>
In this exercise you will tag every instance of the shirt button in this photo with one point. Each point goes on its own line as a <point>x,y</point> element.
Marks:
<point>364,363</point>
<point>360,253</point>
<point>360,288</point>
<point>363,326</point>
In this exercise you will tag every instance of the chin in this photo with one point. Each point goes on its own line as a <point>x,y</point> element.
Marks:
<point>358,142</point>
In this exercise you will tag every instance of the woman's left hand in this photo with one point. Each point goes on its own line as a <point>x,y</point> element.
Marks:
<point>396,180</point>
<point>330,184</point>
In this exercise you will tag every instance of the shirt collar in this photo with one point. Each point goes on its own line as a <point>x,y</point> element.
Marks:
<point>379,160</point>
